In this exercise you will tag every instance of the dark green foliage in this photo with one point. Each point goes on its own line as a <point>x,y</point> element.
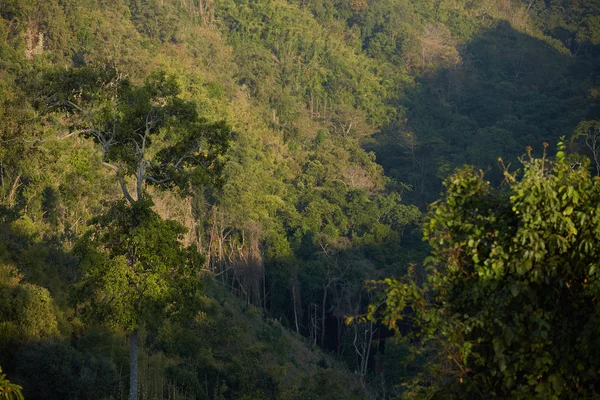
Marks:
<point>273,102</point>
<point>26,310</point>
<point>133,265</point>
<point>58,371</point>
<point>321,384</point>
<point>233,354</point>
<point>515,91</point>
<point>510,304</point>
<point>136,73</point>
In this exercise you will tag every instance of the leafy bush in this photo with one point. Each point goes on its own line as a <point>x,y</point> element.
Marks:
<point>55,370</point>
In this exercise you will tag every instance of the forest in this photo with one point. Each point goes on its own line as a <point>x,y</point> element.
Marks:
<point>299,199</point>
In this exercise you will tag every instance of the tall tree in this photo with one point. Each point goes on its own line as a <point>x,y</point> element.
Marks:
<point>134,269</point>
<point>146,135</point>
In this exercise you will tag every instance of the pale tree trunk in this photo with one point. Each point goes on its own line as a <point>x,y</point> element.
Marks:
<point>133,365</point>
<point>362,346</point>
<point>592,141</point>
<point>13,192</point>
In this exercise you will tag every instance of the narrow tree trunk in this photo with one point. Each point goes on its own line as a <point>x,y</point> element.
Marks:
<point>323,311</point>
<point>13,192</point>
<point>365,363</point>
<point>294,299</point>
<point>133,365</point>
<point>313,328</point>
<point>201,11</point>
<point>264,287</point>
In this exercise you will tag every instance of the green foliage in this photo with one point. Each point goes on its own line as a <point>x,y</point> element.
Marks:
<point>8,390</point>
<point>321,384</point>
<point>490,80</point>
<point>510,301</point>
<point>223,351</point>
<point>26,310</point>
<point>57,370</point>
<point>148,132</point>
<point>285,56</point>
<point>133,266</point>
<point>300,214</point>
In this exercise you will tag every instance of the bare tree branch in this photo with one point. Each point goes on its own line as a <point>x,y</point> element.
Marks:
<point>125,190</point>
<point>187,154</point>
<point>157,181</point>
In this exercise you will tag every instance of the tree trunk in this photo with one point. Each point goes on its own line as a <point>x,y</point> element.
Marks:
<point>264,287</point>
<point>294,299</point>
<point>323,311</point>
<point>13,192</point>
<point>133,365</point>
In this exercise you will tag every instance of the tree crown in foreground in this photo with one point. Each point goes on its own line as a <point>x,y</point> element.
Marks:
<point>510,306</point>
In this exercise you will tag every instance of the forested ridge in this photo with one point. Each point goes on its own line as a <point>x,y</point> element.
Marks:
<point>227,199</point>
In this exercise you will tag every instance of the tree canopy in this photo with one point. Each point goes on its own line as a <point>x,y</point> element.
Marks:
<point>134,266</point>
<point>295,146</point>
<point>510,304</point>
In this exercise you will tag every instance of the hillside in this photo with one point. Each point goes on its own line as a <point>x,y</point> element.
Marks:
<point>328,128</point>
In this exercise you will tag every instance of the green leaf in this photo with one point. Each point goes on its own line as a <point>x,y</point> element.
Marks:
<point>514,289</point>
<point>568,210</point>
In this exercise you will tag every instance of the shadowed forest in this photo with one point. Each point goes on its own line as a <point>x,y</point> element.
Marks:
<point>299,199</point>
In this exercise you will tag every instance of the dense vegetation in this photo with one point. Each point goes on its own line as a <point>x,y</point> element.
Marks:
<point>513,307</point>
<point>215,180</point>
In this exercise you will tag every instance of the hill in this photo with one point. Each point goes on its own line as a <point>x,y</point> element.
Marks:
<point>345,116</point>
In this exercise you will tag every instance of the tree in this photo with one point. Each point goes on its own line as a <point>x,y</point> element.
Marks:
<point>133,260</point>
<point>147,133</point>
<point>590,132</point>
<point>349,122</point>
<point>27,311</point>
<point>134,268</point>
<point>510,307</point>
<point>437,48</point>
